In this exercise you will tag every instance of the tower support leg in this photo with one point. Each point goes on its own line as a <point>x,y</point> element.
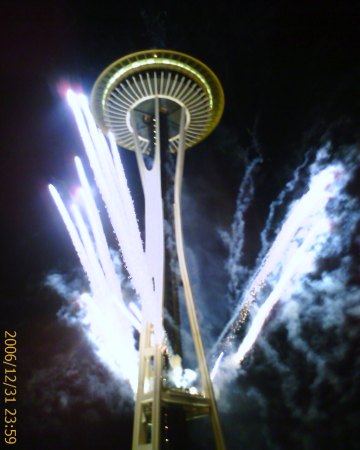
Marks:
<point>153,395</point>
<point>147,417</point>
<point>189,301</point>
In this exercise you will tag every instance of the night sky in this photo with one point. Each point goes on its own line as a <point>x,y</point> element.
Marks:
<point>290,73</point>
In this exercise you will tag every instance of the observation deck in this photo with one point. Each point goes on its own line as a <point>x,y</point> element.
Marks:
<point>125,91</point>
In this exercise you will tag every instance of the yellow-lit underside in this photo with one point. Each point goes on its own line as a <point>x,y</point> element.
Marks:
<point>141,63</point>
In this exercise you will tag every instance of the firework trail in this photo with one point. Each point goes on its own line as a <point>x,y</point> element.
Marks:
<point>109,318</point>
<point>292,254</point>
<point>106,317</point>
<point>111,181</point>
<point>238,274</point>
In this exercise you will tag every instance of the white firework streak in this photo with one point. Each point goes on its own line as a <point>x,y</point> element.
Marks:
<point>293,252</point>
<point>104,315</point>
<point>101,283</point>
<point>96,227</point>
<point>215,369</point>
<point>74,235</point>
<point>111,335</point>
<point>111,181</point>
<point>301,262</point>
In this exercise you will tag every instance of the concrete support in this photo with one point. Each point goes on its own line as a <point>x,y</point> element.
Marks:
<point>152,393</point>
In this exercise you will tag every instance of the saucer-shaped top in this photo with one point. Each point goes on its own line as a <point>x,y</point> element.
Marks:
<point>127,89</point>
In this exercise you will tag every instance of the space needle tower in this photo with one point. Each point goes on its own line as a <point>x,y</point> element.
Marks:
<point>159,103</point>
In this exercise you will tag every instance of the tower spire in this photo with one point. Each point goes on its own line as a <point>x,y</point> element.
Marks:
<point>159,103</point>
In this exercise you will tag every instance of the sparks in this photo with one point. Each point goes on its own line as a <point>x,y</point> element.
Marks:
<point>293,253</point>
<point>107,318</point>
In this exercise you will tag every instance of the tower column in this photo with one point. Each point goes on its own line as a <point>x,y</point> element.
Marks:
<point>189,300</point>
<point>139,97</point>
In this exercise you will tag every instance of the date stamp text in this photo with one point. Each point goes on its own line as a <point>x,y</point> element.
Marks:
<point>9,386</point>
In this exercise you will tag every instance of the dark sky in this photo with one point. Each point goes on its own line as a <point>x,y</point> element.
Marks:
<point>290,73</point>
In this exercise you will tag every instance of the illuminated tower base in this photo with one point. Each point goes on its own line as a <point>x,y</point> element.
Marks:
<point>143,98</point>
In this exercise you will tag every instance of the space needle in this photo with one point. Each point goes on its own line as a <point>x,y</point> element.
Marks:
<point>159,103</point>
